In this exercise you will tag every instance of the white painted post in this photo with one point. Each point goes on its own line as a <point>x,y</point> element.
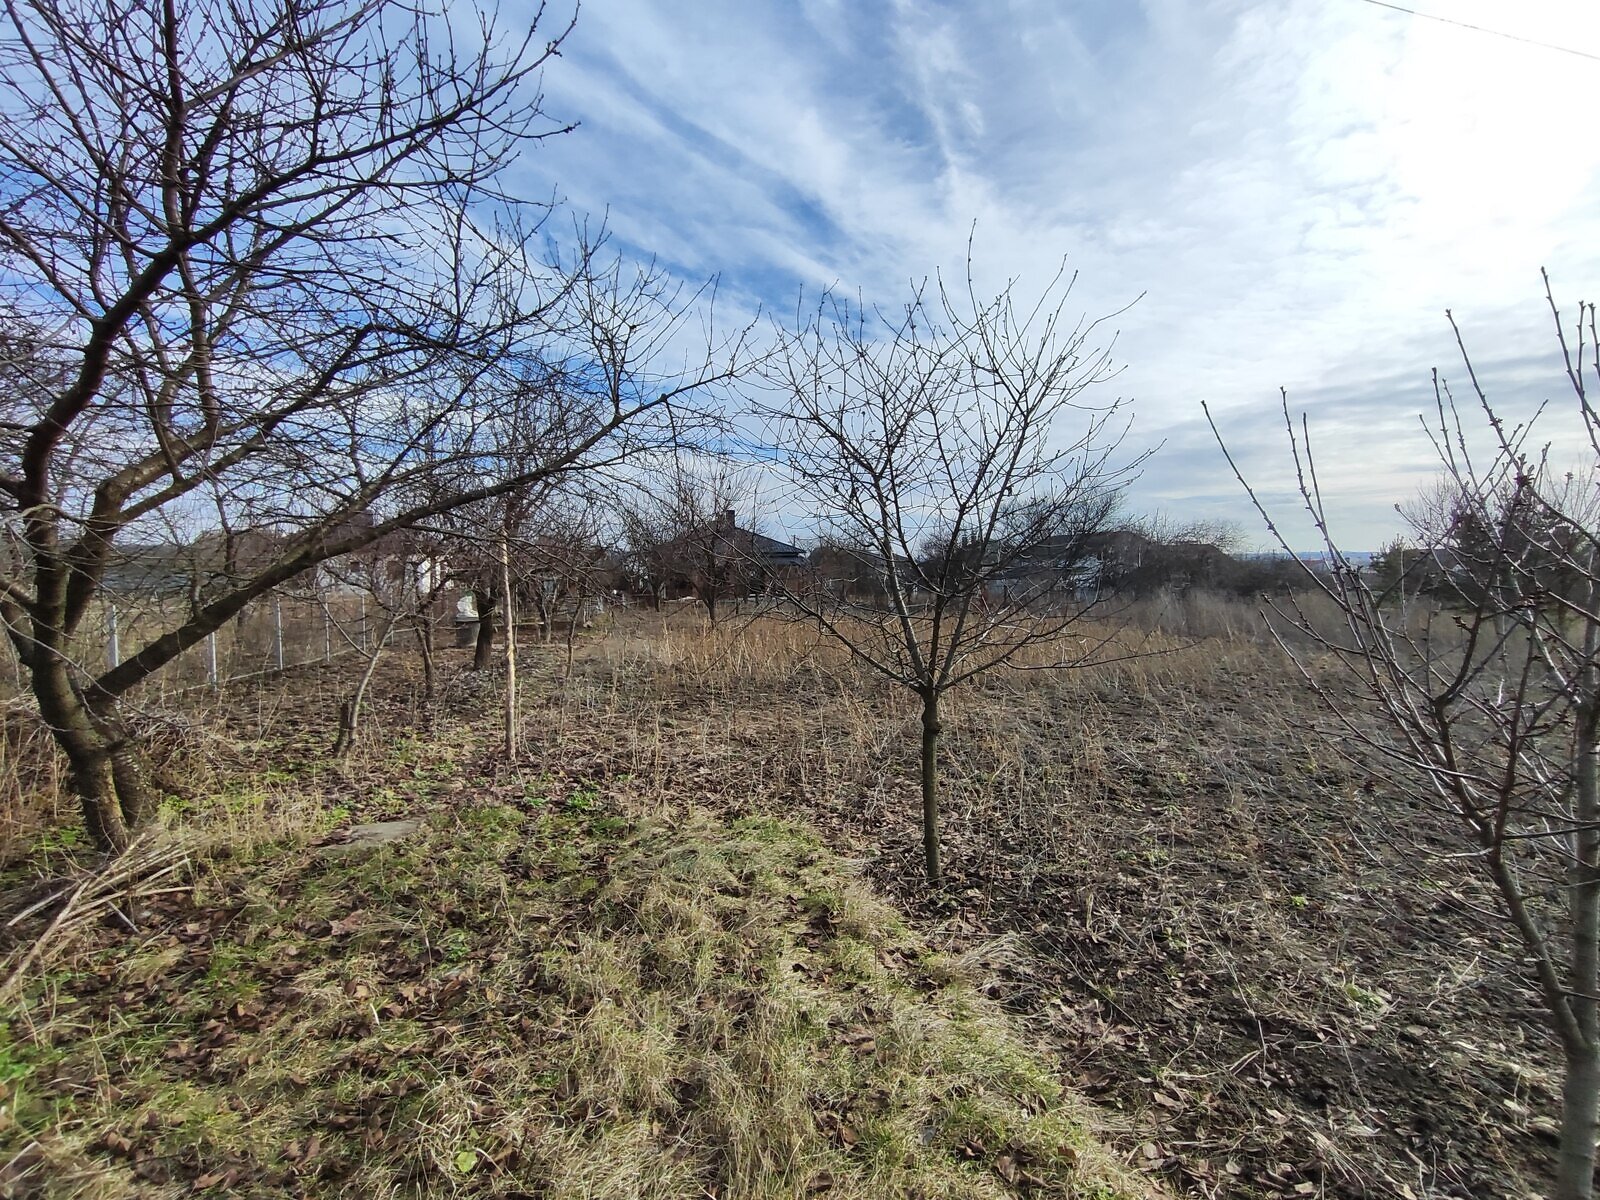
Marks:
<point>277,631</point>
<point>327,636</point>
<point>113,647</point>
<point>211,659</point>
<point>512,731</point>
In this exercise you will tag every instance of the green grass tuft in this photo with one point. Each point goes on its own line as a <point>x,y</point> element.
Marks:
<point>558,1000</point>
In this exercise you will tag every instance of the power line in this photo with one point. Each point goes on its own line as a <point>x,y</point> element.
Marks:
<point>1481,29</point>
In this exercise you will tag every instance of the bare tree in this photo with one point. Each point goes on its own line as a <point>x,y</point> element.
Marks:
<point>681,529</point>
<point>255,255</point>
<point>709,551</point>
<point>402,581</point>
<point>934,446</point>
<point>1223,534</point>
<point>646,531</point>
<point>564,566</point>
<point>1484,704</point>
<point>1179,556</point>
<point>427,582</point>
<point>471,533</point>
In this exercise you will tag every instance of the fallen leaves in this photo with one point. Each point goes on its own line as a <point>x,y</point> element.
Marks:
<point>860,1039</point>
<point>1157,974</point>
<point>346,925</point>
<point>1012,1166</point>
<point>838,1130</point>
<point>303,1151</point>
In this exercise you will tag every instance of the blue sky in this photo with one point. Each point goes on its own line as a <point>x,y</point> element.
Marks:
<point>1297,188</point>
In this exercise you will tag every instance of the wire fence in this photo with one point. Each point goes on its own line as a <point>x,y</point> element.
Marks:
<point>279,632</point>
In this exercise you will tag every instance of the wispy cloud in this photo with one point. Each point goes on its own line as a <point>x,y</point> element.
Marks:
<point>1297,189</point>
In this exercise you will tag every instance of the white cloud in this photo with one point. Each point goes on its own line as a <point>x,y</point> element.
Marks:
<point>1299,188</point>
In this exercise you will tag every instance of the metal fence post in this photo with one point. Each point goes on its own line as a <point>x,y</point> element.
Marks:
<point>113,647</point>
<point>277,631</point>
<point>211,659</point>
<point>327,635</point>
<point>363,622</point>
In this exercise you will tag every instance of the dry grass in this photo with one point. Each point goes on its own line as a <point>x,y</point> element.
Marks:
<point>33,797</point>
<point>547,991</point>
<point>1221,923</point>
<point>1185,892</point>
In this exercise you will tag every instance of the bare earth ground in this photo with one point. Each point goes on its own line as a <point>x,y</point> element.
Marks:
<point>1196,907</point>
<point>1199,907</point>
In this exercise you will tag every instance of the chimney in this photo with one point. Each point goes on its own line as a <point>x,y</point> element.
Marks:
<point>727,518</point>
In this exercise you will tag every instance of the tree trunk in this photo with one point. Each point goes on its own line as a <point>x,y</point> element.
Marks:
<point>483,654</point>
<point>572,633</point>
<point>425,647</point>
<point>513,723</point>
<point>135,793</point>
<point>93,781</point>
<point>346,735</point>
<point>104,768</point>
<point>1580,1117</point>
<point>1580,1093</point>
<point>350,710</point>
<point>930,787</point>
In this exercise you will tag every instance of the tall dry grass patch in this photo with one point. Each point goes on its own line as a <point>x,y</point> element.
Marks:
<point>33,795</point>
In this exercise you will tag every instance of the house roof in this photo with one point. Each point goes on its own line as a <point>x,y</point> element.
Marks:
<point>726,535</point>
<point>773,548</point>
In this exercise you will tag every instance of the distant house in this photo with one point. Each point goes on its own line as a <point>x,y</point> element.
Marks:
<point>1125,561</point>
<point>195,568</point>
<point>719,560</point>
<point>1119,553</point>
<point>219,560</point>
<point>1056,568</point>
<point>863,576</point>
<point>769,557</point>
<point>399,563</point>
<point>1078,566</point>
<point>152,569</point>
<point>775,556</point>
